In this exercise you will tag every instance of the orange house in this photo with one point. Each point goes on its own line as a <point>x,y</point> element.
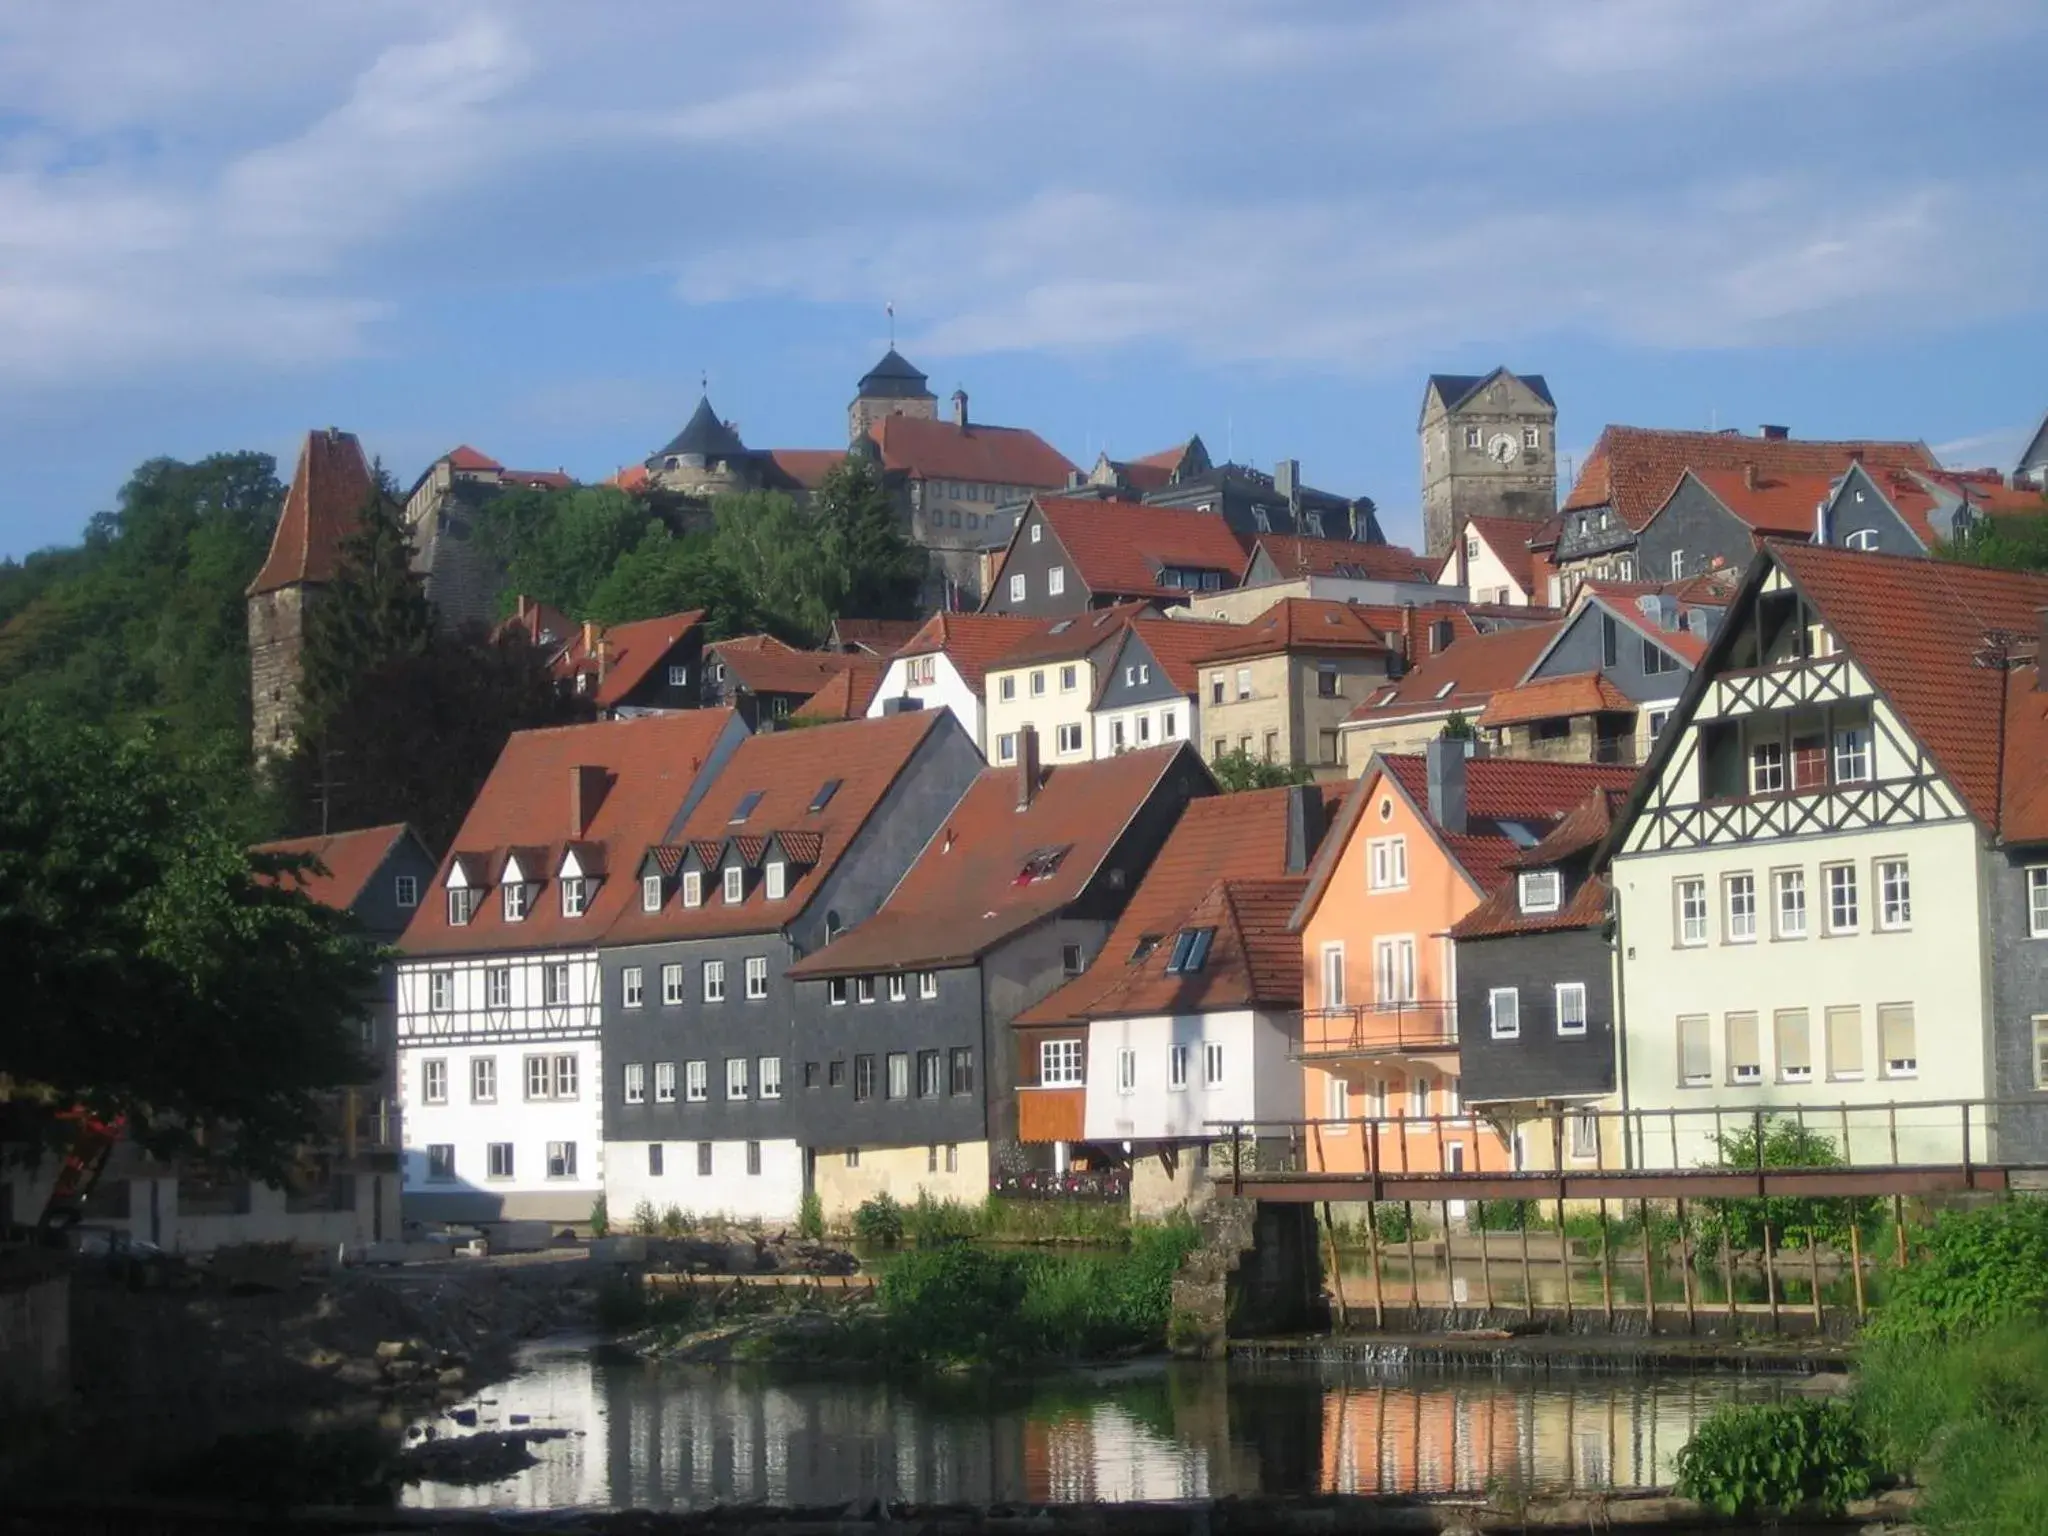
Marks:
<point>1419,842</point>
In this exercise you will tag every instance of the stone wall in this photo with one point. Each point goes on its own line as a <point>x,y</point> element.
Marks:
<point>277,640</point>
<point>35,1341</point>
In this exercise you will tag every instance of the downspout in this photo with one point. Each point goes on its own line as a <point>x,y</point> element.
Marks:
<point>1620,1023</point>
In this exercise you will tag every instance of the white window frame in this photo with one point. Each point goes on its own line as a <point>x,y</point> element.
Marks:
<point>1393,970</point>
<point>1006,688</point>
<point>678,676</point>
<point>650,893</point>
<point>696,1081</point>
<point>1893,879</point>
<point>1060,1063</point>
<point>561,1163</point>
<point>498,1160</point>
<point>1788,882</point>
<point>1336,1104</point>
<point>1585,1135</point>
<point>434,1080</point>
<point>1127,1069</point>
<point>1056,581</point>
<point>2037,901</point>
<point>1738,908</point>
<point>554,984</point>
<point>1177,1067</point>
<point>693,888</point>
<point>1689,911</point>
<point>461,907</point>
<point>671,985</point>
<point>714,981</point>
<point>635,1085</point>
<point>1766,763</point>
<point>564,1071</point>
<point>2040,1022</point>
<point>575,896</point>
<point>405,890</point>
<point>927,984</point>
<point>1531,882</point>
<point>1244,683</point>
<point>497,986</point>
<point>1006,747</point>
<point>1570,1000</point>
<point>737,1076</point>
<point>1835,878</point>
<point>1069,739</point>
<point>1017,588</point>
<point>734,880</point>
<point>513,899</point>
<point>757,978</point>
<point>776,880</point>
<point>899,987</point>
<point>1386,863</point>
<point>1070,677</point>
<point>1504,1012</point>
<point>1853,755</point>
<point>1333,976</point>
<point>483,1079</point>
<point>1212,1064</point>
<point>440,992</point>
<point>664,1082</point>
<point>768,1077</point>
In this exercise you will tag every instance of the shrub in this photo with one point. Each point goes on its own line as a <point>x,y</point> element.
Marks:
<point>646,1219</point>
<point>1795,1221</point>
<point>934,1222</point>
<point>673,1222</point>
<point>1502,1215</point>
<point>600,1217</point>
<point>955,1302</point>
<point>1974,1271</point>
<point>1775,1457</point>
<point>879,1220</point>
<point>1396,1223</point>
<point>810,1216</point>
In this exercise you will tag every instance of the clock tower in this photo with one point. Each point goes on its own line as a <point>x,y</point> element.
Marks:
<point>1488,450</point>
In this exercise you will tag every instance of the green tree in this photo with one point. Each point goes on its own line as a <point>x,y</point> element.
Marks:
<point>150,968</point>
<point>557,546</point>
<point>879,570</point>
<point>1794,1220</point>
<point>1239,770</point>
<point>665,574</point>
<point>2008,542</point>
<point>1458,728</point>
<point>771,548</point>
<point>373,612</point>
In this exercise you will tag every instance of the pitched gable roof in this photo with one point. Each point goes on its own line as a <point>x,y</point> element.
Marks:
<point>807,467</point>
<point>1926,501</point>
<point>1633,469</point>
<point>1462,678</point>
<point>1293,555</point>
<point>878,637</point>
<point>969,889</point>
<point>971,641</point>
<point>1508,538</point>
<point>1552,698</point>
<point>1070,636</point>
<point>1304,624</point>
<point>1180,645</point>
<point>1454,389</point>
<point>847,695</point>
<point>647,767</point>
<point>347,860</point>
<point>1120,548</point>
<point>1767,502</point>
<point>944,450</point>
<point>629,653</point>
<point>1254,960</point>
<point>763,664</point>
<point>329,490</point>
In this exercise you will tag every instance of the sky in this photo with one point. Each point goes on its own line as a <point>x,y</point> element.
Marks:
<point>535,227</point>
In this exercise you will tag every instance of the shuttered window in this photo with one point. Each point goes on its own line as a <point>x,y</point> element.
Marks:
<point>1795,1047</point>
<point>1845,1043</point>
<point>1897,1042</point>
<point>1695,1051</point>
<point>1745,1059</point>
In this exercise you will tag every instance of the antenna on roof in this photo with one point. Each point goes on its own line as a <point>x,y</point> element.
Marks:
<point>704,381</point>
<point>889,309</point>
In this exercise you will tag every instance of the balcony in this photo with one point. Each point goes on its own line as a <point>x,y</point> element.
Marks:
<point>1379,1030</point>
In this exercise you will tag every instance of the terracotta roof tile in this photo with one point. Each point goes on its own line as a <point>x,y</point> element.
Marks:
<point>847,695</point>
<point>1293,555</point>
<point>966,893</point>
<point>971,641</point>
<point>538,479</point>
<point>1926,500</point>
<point>878,637</point>
<point>346,861</point>
<point>1633,469</point>
<point>787,769</point>
<point>1305,624</point>
<point>1501,913</point>
<point>1508,538</point>
<point>462,456</point>
<point>1069,635</point>
<point>2023,818</point>
<point>630,652</point>
<point>650,766</point>
<point>1254,961</point>
<point>808,467</point>
<point>1768,503</point>
<point>329,490</point>
<point>1179,645</point>
<point>763,664</point>
<point>941,450</point>
<point>1461,679</point>
<point>1552,698</point>
<point>1119,548</point>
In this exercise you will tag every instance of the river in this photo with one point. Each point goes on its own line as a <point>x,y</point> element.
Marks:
<point>683,1437</point>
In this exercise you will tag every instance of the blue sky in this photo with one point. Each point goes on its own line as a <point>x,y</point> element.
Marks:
<point>531,227</point>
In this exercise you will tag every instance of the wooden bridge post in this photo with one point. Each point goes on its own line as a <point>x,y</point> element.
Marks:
<point>1813,1274</point>
<point>1685,1278</point>
<point>1856,1261</point>
<point>1771,1277</point>
<point>1649,1270</point>
<point>1414,1295</point>
<point>1728,1266</point>
<point>1450,1265</point>
<point>1372,1238</point>
<point>1606,1236</point>
<point>1564,1247</point>
<point>1485,1268</point>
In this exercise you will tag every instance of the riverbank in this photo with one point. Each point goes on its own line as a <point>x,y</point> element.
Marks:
<point>1576,1354</point>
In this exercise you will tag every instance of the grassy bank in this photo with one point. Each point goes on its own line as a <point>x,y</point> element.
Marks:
<point>927,1222</point>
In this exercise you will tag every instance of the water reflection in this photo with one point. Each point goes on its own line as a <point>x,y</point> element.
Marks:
<point>682,1438</point>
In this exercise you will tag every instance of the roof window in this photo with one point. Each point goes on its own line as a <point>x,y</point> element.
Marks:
<point>1147,942</point>
<point>825,793</point>
<point>746,806</point>
<point>1445,691</point>
<point>1190,951</point>
<point>1041,864</point>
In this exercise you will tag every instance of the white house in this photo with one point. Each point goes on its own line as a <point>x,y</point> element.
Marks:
<point>1491,559</point>
<point>944,666</point>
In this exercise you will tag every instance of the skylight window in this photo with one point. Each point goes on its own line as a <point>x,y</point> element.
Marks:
<point>1190,951</point>
<point>1147,942</point>
<point>746,806</point>
<point>1041,864</point>
<point>825,793</point>
<point>1445,691</point>
<point>1062,627</point>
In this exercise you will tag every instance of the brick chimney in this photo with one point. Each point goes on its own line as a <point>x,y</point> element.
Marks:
<point>1027,767</point>
<point>1749,477</point>
<point>1444,761</point>
<point>587,785</point>
<point>959,407</point>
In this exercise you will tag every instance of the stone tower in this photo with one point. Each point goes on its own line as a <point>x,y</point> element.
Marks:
<point>1489,449</point>
<point>329,490</point>
<point>891,388</point>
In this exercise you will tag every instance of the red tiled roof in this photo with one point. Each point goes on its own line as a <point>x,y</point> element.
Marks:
<point>1179,645</point>
<point>1769,503</point>
<point>1069,635</point>
<point>1298,556</point>
<point>329,490</point>
<point>650,765</point>
<point>1501,913</point>
<point>1307,624</point>
<point>1118,548</point>
<point>2023,818</point>
<point>1407,625</point>
<point>462,456</point>
<point>633,477</point>
<point>550,629</point>
<point>1226,837</point>
<point>539,479</point>
<point>1508,538</point>
<point>1254,961</point>
<point>1462,678</point>
<point>808,467</point>
<point>879,637</point>
<point>1917,495</point>
<point>1165,458</point>
<point>847,695</point>
<point>347,860</point>
<point>1633,469</point>
<point>631,651</point>
<point>971,641</point>
<point>1624,599</point>
<point>1551,698</point>
<point>963,895</point>
<point>787,769</point>
<point>940,450</point>
<point>763,664</point>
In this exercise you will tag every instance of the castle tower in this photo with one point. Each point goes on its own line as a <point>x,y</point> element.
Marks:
<point>329,490</point>
<point>1488,450</point>
<point>891,388</point>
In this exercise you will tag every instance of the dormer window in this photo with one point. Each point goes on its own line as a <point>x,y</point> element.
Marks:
<point>778,874</point>
<point>461,907</point>
<point>575,894</point>
<point>1190,951</point>
<point>1315,523</point>
<point>693,889</point>
<point>515,903</point>
<point>1542,890</point>
<point>650,893</point>
<point>735,885</point>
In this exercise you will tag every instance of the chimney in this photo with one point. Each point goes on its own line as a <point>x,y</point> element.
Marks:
<point>1027,767</point>
<point>587,783</point>
<point>604,649</point>
<point>1749,477</point>
<point>589,637</point>
<point>1304,825</point>
<point>522,605</point>
<point>1445,765</point>
<point>1772,433</point>
<point>1287,482</point>
<point>959,407</point>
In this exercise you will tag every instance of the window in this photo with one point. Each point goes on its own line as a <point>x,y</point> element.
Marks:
<point>1692,912</point>
<point>1336,1104</point>
<point>678,676</point>
<point>1571,1007</point>
<point>483,1080</point>
<point>1862,538</point>
<point>735,885</point>
<point>2037,901</point>
<point>1790,886</point>
<point>1809,761</point>
<point>1073,961</point>
<point>1056,581</point>
<point>632,987</point>
<point>1845,1043</point>
<point>778,874</point>
<point>757,978</point>
<point>1504,1012</point>
<point>405,890</point>
<point>1894,895</point>
<point>1852,755</point>
<point>1745,1052</point>
<point>537,1077</point>
<point>664,1082</point>
<point>696,1081</point>
<point>1016,589</point>
<point>1059,1064</point>
<point>1326,680</point>
<point>498,986</point>
<point>899,987</point>
<point>753,1159</point>
<point>498,1160</point>
<point>515,903</point>
<point>1844,912</point>
<point>960,1070</point>
<point>1393,970</point>
<point>1766,767</point>
<point>1541,890</point>
<point>735,1077</point>
<point>1695,1052</point>
<point>1386,863</point>
<point>714,981</point>
<point>575,894</point>
<point>1070,678</point>
<point>636,1083</point>
<point>1677,574</point>
<point>693,888</point>
<point>1037,532</point>
<point>461,907</point>
<point>824,796</point>
<point>1244,683</point>
<point>1333,975</point>
<point>703,1159</point>
<point>1472,437</point>
<point>672,985</point>
<point>654,1159</point>
<point>650,893</point>
<point>1585,1128</point>
<point>554,983</point>
<point>1006,747</point>
<point>440,991</point>
<point>1070,738</point>
<point>1418,1097</point>
<point>1190,951</point>
<point>1659,718</point>
<point>835,991</point>
<point>2041,1050</point>
<point>927,984</point>
<point>770,1069</point>
<point>434,1081</point>
<point>1212,1064</point>
<point>1795,1047</point>
<point>440,1162</point>
<point>899,1074</point>
<point>1895,1040</point>
<point>1610,640</point>
<point>864,989</point>
<point>1006,689</point>
<point>1126,1070</point>
<point>863,1077</point>
<point>835,1074</point>
<point>1177,1068</point>
<point>561,1159</point>
<point>1532,437</point>
<point>1657,660</point>
<point>931,1075</point>
<point>1116,735</point>
<point>1738,893</point>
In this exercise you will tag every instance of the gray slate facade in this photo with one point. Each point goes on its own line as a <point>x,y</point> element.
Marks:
<point>1540,1063</point>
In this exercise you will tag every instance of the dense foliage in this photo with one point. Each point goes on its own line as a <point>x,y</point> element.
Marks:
<point>1239,770</point>
<point>1772,1458</point>
<point>150,969</point>
<point>1795,1221</point>
<point>1971,1272</point>
<point>2009,543</point>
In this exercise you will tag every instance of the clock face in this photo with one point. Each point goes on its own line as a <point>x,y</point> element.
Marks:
<point>1502,449</point>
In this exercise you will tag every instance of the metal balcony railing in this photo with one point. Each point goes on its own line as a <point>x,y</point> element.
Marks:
<point>1379,1029</point>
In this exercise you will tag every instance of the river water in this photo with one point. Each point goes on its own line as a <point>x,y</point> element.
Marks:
<point>682,1437</point>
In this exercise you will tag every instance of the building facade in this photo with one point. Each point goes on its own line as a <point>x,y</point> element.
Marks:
<point>1488,444</point>
<point>1280,688</point>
